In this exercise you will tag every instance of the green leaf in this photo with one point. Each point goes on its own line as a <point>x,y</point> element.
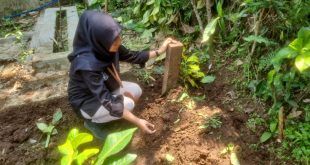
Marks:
<point>66,149</point>
<point>284,53</point>
<point>125,160</point>
<point>72,134</point>
<point>265,136</point>
<point>136,10</point>
<point>270,76</point>
<point>114,143</point>
<point>81,138</point>
<point>302,62</point>
<point>43,127</point>
<point>193,59</point>
<point>207,79</point>
<point>200,4</point>
<point>169,158</point>
<point>150,2</point>
<point>209,30</point>
<point>155,10</point>
<point>273,126</point>
<point>183,96</point>
<point>56,117</point>
<point>146,16</point>
<point>86,154</point>
<point>66,160</point>
<point>259,39</point>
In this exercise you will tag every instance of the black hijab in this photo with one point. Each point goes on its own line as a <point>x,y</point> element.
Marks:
<point>94,36</point>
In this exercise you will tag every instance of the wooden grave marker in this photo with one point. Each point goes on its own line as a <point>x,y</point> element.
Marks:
<point>172,66</point>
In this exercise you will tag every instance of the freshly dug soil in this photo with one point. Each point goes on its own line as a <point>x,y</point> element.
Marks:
<point>178,132</point>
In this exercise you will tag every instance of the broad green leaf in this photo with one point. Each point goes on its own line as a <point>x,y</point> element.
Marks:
<point>207,79</point>
<point>43,127</point>
<point>273,126</point>
<point>114,143</point>
<point>125,160</point>
<point>265,136</point>
<point>86,154</point>
<point>81,138</point>
<point>209,30</point>
<point>302,62</point>
<point>72,134</point>
<point>284,53</point>
<point>169,158</point>
<point>56,117</point>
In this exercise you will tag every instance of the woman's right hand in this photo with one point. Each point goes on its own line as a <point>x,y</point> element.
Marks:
<point>146,126</point>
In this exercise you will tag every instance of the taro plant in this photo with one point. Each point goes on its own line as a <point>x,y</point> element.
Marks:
<point>49,129</point>
<point>70,151</point>
<point>113,144</point>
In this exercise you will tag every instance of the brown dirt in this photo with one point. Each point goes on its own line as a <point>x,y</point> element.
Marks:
<point>177,125</point>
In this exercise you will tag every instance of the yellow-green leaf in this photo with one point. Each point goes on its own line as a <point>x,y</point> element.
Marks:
<point>209,30</point>
<point>86,154</point>
<point>114,143</point>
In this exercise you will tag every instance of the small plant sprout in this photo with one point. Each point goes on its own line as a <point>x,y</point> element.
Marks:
<point>212,122</point>
<point>49,129</point>
<point>254,121</point>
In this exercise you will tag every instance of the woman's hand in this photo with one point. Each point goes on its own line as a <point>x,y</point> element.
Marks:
<point>146,126</point>
<point>165,44</point>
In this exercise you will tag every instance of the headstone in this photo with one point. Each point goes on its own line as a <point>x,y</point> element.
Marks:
<point>172,66</point>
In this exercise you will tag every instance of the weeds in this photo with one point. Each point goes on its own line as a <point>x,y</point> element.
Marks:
<point>254,121</point>
<point>212,122</point>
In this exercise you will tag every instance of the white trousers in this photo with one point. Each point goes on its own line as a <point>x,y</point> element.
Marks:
<point>102,115</point>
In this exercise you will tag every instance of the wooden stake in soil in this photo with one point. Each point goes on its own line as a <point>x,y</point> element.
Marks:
<point>281,124</point>
<point>172,66</point>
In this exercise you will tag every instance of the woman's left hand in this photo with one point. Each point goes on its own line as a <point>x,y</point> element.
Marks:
<point>165,44</point>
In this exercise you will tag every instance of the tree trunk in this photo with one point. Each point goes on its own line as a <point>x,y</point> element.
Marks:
<point>197,16</point>
<point>209,11</point>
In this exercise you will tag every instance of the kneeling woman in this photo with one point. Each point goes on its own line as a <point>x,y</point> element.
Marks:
<point>95,89</point>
